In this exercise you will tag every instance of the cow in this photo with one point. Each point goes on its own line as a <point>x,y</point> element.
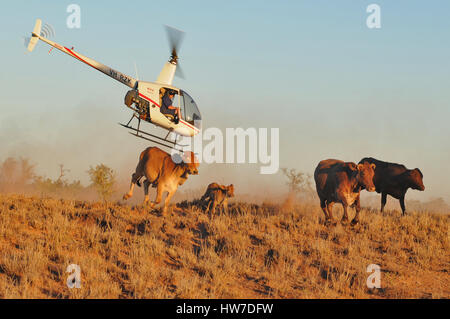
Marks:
<point>217,195</point>
<point>341,182</point>
<point>163,173</point>
<point>394,179</point>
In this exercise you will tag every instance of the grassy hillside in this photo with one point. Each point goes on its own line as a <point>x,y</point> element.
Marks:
<point>252,252</point>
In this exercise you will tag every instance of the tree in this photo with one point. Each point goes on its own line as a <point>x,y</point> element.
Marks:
<point>8,170</point>
<point>26,171</point>
<point>299,183</point>
<point>16,172</point>
<point>62,173</point>
<point>103,180</point>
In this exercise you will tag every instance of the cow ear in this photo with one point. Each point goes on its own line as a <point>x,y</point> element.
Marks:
<point>416,169</point>
<point>373,166</point>
<point>360,167</point>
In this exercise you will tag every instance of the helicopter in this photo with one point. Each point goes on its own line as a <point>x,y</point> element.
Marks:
<point>145,98</point>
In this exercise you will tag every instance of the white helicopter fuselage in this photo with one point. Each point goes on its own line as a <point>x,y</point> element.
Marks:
<point>148,91</point>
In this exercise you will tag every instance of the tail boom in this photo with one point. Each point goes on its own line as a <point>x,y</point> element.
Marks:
<point>119,76</point>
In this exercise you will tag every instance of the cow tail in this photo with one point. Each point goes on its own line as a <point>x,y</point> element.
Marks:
<point>205,196</point>
<point>136,179</point>
<point>142,155</point>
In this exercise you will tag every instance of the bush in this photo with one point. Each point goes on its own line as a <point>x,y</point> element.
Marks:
<point>299,183</point>
<point>15,174</point>
<point>57,187</point>
<point>103,180</point>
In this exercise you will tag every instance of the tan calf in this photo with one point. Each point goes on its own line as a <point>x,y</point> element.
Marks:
<point>217,195</point>
<point>163,173</point>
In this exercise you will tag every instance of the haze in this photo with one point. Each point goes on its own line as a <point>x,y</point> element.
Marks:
<point>335,88</point>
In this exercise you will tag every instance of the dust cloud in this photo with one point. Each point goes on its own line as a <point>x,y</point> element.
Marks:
<point>85,136</point>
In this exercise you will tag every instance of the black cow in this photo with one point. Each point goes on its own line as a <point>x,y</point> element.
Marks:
<point>394,179</point>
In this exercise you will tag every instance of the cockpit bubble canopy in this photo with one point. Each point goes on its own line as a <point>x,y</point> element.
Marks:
<point>191,112</point>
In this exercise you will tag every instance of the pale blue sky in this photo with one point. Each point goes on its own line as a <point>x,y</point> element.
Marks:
<point>335,88</point>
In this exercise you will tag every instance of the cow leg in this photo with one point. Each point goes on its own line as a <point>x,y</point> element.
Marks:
<point>207,202</point>
<point>221,207</point>
<point>208,207</point>
<point>213,208</point>
<point>357,205</point>
<point>383,200</point>
<point>323,205</point>
<point>330,211</point>
<point>402,205</point>
<point>225,206</point>
<point>167,200</point>
<point>146,186</point>
<point>344,219</point>
<point>204,197</point>
<point>159,193</point>
<point>134,178</point>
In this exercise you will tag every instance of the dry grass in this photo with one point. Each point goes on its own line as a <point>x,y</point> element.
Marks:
<point>252,252</point>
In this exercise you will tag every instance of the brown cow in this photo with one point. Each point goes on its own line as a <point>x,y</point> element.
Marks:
<point>394,179</point>
<point>162,172</point>
<point>217,195</point>
<point>341,182</point>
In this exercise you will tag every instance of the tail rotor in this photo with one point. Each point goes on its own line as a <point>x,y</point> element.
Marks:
<point>45,31</point>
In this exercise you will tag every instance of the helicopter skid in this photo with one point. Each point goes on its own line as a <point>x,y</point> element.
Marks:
<point>154,138</point>
<point>173,147</point>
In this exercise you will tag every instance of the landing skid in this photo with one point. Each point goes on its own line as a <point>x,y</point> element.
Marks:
<point>152,138</point>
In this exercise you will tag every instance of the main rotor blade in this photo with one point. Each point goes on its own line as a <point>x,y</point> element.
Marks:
<point>175,38</point>
<point>179,72</point>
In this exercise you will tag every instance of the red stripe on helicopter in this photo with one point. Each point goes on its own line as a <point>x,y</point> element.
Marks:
<point>140,94</point>
<point>149,99</point>
<point>76,56</point>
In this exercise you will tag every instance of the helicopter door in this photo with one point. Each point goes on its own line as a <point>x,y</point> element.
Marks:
<point>175,100</point>
<point>191,113</point>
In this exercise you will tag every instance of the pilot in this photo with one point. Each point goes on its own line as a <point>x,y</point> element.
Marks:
<point>168,108</point>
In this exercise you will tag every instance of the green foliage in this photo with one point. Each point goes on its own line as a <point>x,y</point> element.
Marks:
<point>58,187</point>
<point>103,180</point>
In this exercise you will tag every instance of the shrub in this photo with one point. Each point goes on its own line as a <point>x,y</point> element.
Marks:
<point>299,183</point>
<point>103,180</point>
